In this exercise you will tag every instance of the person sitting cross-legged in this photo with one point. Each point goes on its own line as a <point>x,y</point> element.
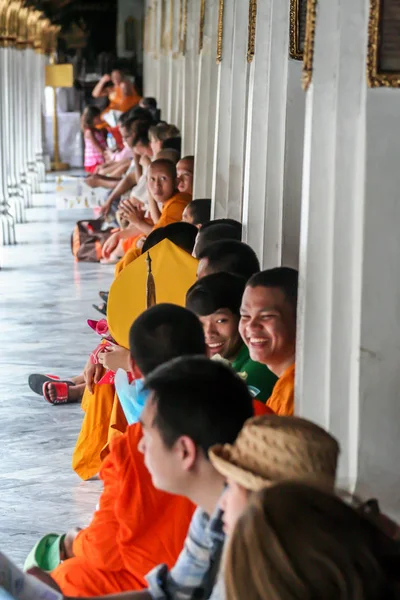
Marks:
<point>135,526</point>
<point>268,328</point>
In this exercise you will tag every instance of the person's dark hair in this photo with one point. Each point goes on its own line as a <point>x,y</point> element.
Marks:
<point>236,224</point>
<point>199,398</point>
<point>149,102</point>
<point>175,143</point>
<point>200,210</point>
<point>231,256</point>
<point>296,541</point>
<point>180,234</point>
<point>141,134</point>
<point>163,332</point>
<point>285,279</point>
<point>88,116</point>
<point>209,235</point>
<point>215,292</point>
<point>166,164</point>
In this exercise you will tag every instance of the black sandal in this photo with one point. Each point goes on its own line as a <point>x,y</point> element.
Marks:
<point>104,296</point>
<point>101,308</point>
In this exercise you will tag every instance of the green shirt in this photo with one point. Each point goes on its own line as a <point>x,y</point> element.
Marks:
<point>258,375</point>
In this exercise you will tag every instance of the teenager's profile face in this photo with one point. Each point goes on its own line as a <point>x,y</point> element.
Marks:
<point>184,172</point>
<point>165,465</point>
<point>142,149</point>
<point>233,503</point>
<point>203,268</point>
<point>268,326</point>
<point>221,334</point>
<point>161,184</point>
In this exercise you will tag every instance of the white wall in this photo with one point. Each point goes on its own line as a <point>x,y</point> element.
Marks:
<point>379,445</point>
<point>295,114</point>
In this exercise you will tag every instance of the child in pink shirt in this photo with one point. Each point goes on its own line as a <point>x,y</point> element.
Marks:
<point>95,141</point>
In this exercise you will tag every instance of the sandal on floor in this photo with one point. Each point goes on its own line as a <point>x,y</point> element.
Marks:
<point>101,308</point>
<point>104,296</point>
<point>61,392</point>
<point>37,380</point>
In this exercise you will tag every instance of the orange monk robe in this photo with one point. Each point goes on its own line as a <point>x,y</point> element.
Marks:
<point>172,210</point>
<point>135,528</point>
<point>282,398</point>
<point>131,255</point>
<point>98,408</point>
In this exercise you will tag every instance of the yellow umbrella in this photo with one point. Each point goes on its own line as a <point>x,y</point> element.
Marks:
<point>173,270</point>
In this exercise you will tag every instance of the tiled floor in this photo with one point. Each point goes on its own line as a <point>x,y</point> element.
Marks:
<point>45,299</point>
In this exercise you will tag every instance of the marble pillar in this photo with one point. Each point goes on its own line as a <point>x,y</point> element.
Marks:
<point>232,86</point>
<point>17,203</point>
<point>328,382</point>
<point>173,86</point>
<point>190,65</point>
<point>206,103</point>
<point>7,222</point>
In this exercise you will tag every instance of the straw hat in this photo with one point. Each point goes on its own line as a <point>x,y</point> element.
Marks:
<point>270,449</point>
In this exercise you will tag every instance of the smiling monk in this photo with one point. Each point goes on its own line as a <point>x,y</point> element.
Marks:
<point>268,327</point>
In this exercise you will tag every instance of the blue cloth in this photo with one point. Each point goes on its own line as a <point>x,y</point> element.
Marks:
<point>195,573</point>
<point>131,396</point>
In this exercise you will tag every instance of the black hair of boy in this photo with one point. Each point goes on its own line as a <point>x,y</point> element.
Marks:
<point>199,398</point>
<point>230,256</point>
<point>163,332</point>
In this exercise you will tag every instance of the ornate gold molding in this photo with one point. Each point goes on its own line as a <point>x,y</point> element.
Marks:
<point>171,25</point>
<point>34,17</point>
<point>375,77</point>
<point>3,22</point>
<point>201,25</point>
<point>42,31</point>
<point>251,39</point>
<point>22,31</point>
<point>52,36</point>
<point>309,43</point>
<point>183,26</point>
<point>9,22</point>
<point>220,36</point>
<point>295,51</point>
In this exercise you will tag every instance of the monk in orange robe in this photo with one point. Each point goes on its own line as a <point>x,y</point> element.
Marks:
<point>121,92</point>
<point>268,327</point>
<point>136,526</point>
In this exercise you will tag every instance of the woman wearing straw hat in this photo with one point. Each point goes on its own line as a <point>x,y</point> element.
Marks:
<point>270,449</point>
<point>268,328</point>
<point>297,541</point>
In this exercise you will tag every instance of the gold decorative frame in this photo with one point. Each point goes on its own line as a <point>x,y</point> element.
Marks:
<point>220,35</point>
<point>375,77</point>
<point>295,50</point>
<point>251,39</point>
<point>183,26</point>
<point>201,26</point>
<point>309,43</point>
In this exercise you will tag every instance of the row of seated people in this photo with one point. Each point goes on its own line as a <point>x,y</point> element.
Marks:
<point>188,418</point>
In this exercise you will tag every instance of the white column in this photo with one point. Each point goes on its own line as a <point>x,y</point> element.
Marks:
<point>190,66</point>
<point>7,226</point>
<point>328,345</point>
<point>227,188</point>
<point>39,93</point>
<point>266,135</point>
<point>206,104</point>
<point>173,63</point>
<point>30,106</point>
<point>21,73</point>
<point>14,190</point>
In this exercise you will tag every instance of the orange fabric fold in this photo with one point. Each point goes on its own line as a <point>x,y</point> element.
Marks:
<point>282,398</point>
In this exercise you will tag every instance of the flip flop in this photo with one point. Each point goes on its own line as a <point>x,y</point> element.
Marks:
<point>104,296</point>
<point>61,392</point>
<point>101,308</point>
<point>37,380</point>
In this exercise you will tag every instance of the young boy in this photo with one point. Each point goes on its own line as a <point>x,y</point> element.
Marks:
<point>216,300</point>
<point>163,188</point>
<point>136,526</point>
<point>185,171</point>
<point>268,328</point>
<point>229,256</point>
<point>198,212</point>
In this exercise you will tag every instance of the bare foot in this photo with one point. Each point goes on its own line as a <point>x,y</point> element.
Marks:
<point>75,392</point>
